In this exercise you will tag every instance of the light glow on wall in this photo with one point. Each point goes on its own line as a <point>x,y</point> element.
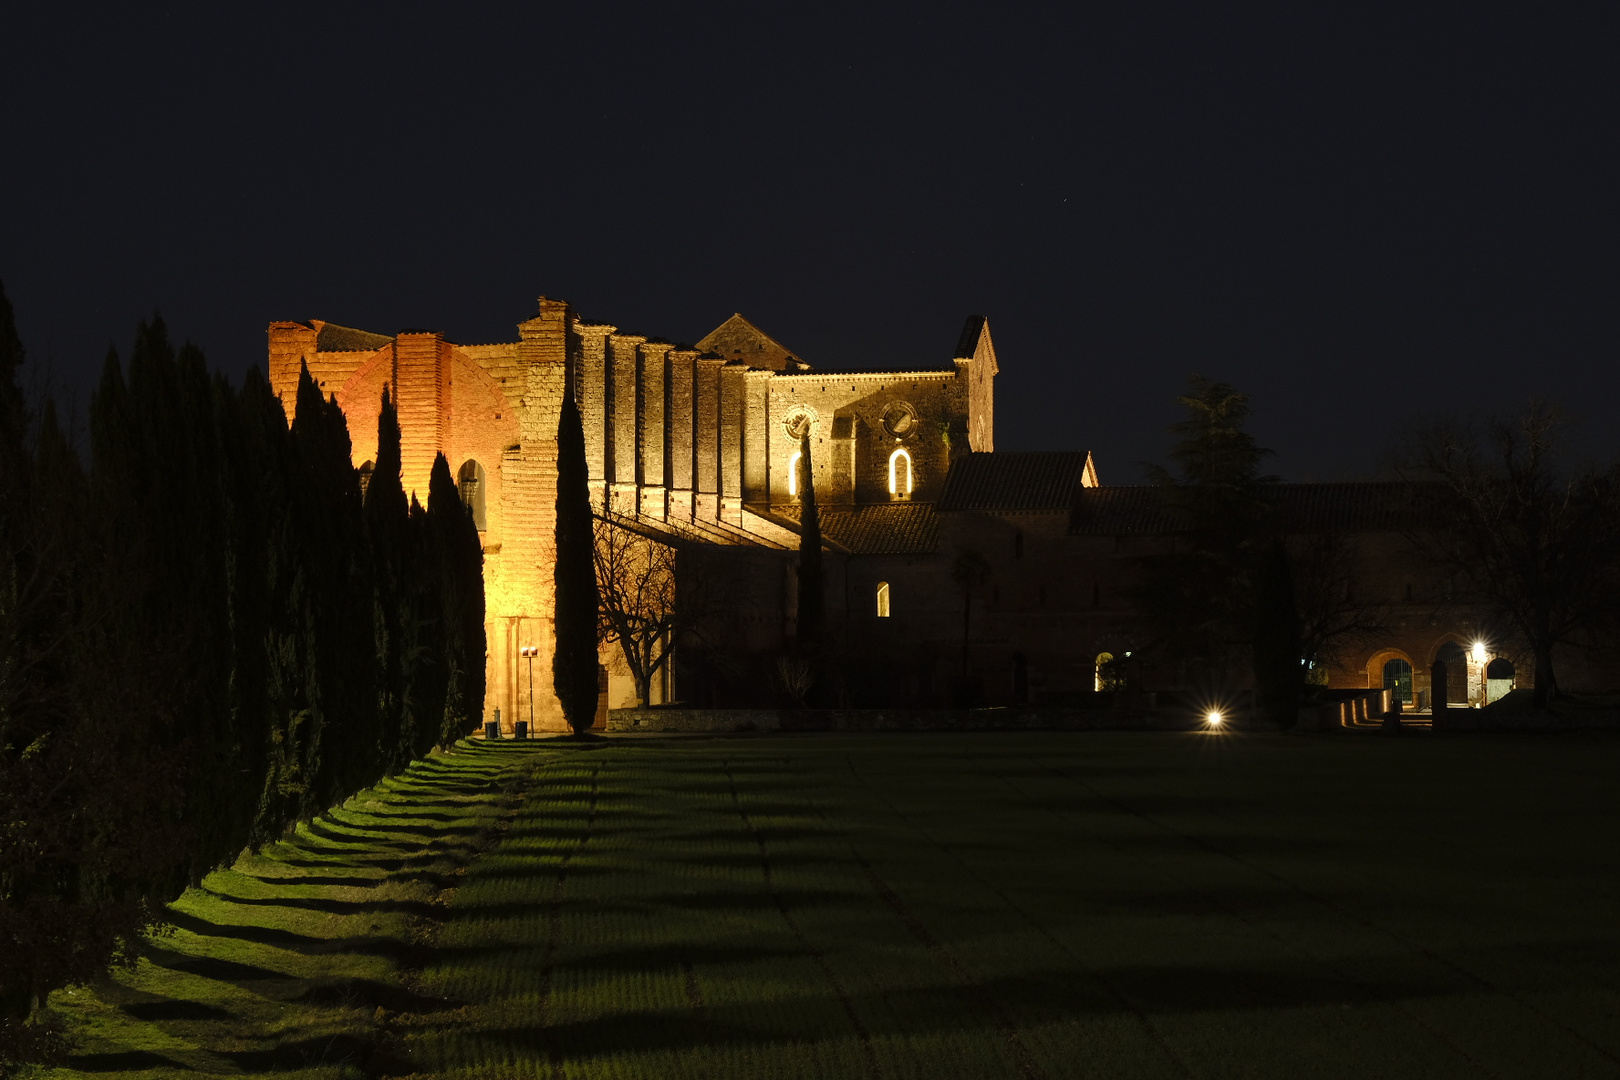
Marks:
<point>793,473</point>
<point>896,485</point>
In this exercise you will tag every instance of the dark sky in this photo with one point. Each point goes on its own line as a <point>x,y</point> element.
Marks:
<point>1356,218</point>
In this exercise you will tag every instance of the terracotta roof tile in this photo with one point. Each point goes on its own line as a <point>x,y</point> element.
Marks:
<point>1015,481</point>
<point>1346,507</point>
<point>900,528</point>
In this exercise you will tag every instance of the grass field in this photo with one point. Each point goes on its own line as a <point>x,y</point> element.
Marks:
<point>972,906</point>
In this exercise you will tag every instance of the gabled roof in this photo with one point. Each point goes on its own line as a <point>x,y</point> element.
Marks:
<point>330,337</point>
<point>739,339</point>
<point>975,343</point>
<point>968,343</point>
<point>1013,481</point>
<point>901,528</point>
<point>1381,506</point>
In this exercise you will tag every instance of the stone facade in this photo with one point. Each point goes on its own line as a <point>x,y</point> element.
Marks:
<point>702,441</point>
<point>697,439</point>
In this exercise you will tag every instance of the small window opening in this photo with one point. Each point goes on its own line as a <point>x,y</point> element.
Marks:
<point>793,473</point>
<point>883,600</point>
<point>470,482</point>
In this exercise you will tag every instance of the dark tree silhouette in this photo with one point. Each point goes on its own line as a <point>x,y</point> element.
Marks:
<point>1530,532</point>
<point>574,662</point>
<point>812,590</point>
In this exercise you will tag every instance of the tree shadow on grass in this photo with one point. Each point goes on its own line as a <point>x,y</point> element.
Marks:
<point>125,1061</point>
<point>418,908</point>
<point>174,1009</point>
<point>340,1049</point>
<point>371,994</point>
<point>314,880</point>
<point>210,967</point>
<point>403,953</point>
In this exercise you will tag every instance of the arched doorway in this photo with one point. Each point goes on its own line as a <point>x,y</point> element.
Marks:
<point>1456,658</point>
<point>1398,680</point>
<point>1499,676</point>
<point>1110,676</point>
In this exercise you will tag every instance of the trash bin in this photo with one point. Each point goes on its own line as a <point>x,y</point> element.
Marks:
<point>492,730</point>
<point>522,731</point>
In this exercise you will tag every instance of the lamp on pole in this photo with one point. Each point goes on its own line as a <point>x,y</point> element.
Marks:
<point>530,652</point>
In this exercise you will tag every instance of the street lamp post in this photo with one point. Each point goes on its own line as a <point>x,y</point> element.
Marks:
<point>530,652</point>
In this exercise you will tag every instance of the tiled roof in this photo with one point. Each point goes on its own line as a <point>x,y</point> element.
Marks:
<point>335,338</point>
<point>1347,507</point>
<point>968,343</point>
<point>1013,481</point>
<point>900,528</point>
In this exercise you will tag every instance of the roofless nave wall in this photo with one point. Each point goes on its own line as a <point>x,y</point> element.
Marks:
<point>701,436</point>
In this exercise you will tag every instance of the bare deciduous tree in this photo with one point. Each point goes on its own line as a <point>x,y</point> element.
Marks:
<point>654,589</point>
<point>1534,535</point>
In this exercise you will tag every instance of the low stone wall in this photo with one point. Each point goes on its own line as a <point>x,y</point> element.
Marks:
<point>725,721</point>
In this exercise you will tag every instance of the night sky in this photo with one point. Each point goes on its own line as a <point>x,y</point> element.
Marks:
<point>1357,219</point>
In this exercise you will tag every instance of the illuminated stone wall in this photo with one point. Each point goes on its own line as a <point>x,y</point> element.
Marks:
<point>686,440</point>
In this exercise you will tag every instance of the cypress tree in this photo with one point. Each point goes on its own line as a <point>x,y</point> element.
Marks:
<point>811,591</point>
<point>387,513</point>
<point>574,663</point>
<point>458,558</point>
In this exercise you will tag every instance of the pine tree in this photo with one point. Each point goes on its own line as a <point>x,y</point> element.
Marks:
<point>811,589</point>
<point>574,663</point>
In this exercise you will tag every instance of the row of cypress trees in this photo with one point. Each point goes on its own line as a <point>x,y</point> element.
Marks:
<point>216,622</point>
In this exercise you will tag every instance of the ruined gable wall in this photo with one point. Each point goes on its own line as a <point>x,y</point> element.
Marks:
<point>851,459</point>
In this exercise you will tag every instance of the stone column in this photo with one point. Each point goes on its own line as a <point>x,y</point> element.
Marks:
<point>682,450</point>
<point>590,389</point>
<point>756,437</point>
<point>422,397</point>
<point>624,420</point>
<point>653,475</point>
<point>733,414</point>
<point>290,343</point>
<point>706,434</point>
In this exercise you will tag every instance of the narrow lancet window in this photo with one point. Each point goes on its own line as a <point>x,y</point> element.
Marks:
<point>883,599</point>
<point>900,474</point>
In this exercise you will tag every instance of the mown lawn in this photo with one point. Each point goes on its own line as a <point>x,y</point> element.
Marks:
<point>972,906</point>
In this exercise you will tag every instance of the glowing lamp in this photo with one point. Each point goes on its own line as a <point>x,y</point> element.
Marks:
<point>1479,652</point>
<point>1215,718</point>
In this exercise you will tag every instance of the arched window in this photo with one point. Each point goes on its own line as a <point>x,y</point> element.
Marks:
<point>1398,680</point>
<point>1108,676</point>
<point>900,474</point>
<point>793,473</point>
<point>471,482</point>
<point>1499,675</point>
<point>365,477</point>
<point>883,599</point>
